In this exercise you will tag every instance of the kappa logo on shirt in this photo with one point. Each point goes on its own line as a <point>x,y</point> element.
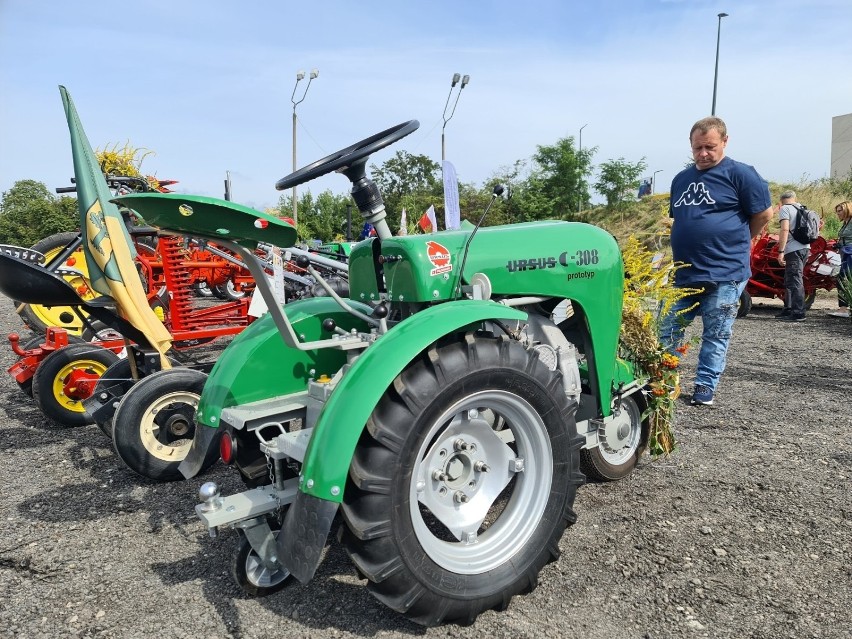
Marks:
<point>696,193</point>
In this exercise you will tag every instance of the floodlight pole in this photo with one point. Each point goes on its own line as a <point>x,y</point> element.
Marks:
<point>455,81</point>
<point>716,73</point>
<point>579,154</point>
<point>299,77</point>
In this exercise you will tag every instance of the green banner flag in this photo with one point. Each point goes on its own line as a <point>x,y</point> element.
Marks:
<point>107,245</point>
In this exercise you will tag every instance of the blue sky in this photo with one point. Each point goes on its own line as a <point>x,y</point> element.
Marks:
<point>207,85</point>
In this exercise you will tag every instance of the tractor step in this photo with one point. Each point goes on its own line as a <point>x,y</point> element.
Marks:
<point>277,410</point>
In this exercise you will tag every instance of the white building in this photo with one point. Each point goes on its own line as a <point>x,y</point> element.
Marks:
<point>841,146</point>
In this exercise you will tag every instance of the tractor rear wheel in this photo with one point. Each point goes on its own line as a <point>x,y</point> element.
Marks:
<point>463,481</point>
<point>621,442</point>
<point>154,424</point>
<point>68,376</point>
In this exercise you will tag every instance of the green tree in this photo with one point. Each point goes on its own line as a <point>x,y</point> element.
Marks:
<point>29,213</point>
<point>322,218</point>
<point>618,181</point>
<point>413,182</point>
<point>556,187</point>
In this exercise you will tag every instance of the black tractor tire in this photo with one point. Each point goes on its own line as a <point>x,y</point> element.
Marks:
<point>50,376</point>
<point>202,290</point>
<point>745,304</point>
<point>154,423</point>
<point>463,481</point>
<point>622,441</point>
<point>252,576</point>
<point>99,331</point>
<point>37,317</point>
<point>228,292</point>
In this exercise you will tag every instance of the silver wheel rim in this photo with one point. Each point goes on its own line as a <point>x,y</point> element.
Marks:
<point>493,448</point>
<point>259,575</point>
<point>620,436</point>
<point>149,428</point>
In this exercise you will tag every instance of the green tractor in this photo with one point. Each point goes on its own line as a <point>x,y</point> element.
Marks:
<point>439,408</point>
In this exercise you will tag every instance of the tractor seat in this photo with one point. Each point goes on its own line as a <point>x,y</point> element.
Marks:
<point>31,283</point>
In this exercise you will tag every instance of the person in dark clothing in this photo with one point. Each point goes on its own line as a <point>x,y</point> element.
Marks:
<point>717,206</point>
<point>792,255</point>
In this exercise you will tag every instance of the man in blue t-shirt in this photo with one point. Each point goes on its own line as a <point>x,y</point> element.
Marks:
<point>717,206</point>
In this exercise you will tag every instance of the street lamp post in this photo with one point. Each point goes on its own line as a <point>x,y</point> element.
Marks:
<point>716,73</point>
<point>299,77</point>
<point>455,81</point>
<point>579,153</point>
<point>654,181</point>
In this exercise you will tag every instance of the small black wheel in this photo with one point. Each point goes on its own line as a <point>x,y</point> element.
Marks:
<point>68,376</point>
<point>745,304</point>
<point>201,289</point>
<point>622,440</point>
<point>463,481</point>
<point>154,424</point>
<point>100,331</point>
<point>252,576</point>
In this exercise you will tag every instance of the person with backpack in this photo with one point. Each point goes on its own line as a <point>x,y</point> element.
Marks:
<point>717,206</point>
<point>792,255</point>
<point>844,245</point>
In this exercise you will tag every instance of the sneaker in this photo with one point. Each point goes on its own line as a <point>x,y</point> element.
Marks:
<point>783,314</point>
<point>703,396</point>
<point>794,318</point>
<point>843,312</point>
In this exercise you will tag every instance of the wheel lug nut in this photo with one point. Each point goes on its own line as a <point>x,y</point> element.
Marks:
<point>439,475</point>
<point>460,498</point>
<point>461,445</point>
<point>481,467</point>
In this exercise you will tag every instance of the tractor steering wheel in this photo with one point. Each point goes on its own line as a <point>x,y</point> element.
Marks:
<point>348,156</point>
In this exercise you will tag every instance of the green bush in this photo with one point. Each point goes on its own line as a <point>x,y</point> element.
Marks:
<point>29,213</point>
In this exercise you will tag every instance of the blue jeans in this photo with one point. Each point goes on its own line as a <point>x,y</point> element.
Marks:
<point>717,306</point>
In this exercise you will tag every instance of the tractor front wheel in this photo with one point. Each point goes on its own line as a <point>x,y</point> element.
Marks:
<point>252,576</point>
<point>154,424</point>
<point>463,481</point>
<point>68,376</point>
<point>621,441</point>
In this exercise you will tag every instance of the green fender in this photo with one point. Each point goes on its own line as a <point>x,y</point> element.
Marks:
<point>258,365</point>
<point>344,416</point>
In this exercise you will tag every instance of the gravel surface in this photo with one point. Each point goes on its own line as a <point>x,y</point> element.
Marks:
<point>744,532</point>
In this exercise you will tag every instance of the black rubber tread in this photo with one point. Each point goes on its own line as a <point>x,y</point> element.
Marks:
<point>126,436</point>
<point>594,466</point>
<point>378,534</point>
<point>47,372</point>
<point>745,304</point>
<point>45,246</point>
